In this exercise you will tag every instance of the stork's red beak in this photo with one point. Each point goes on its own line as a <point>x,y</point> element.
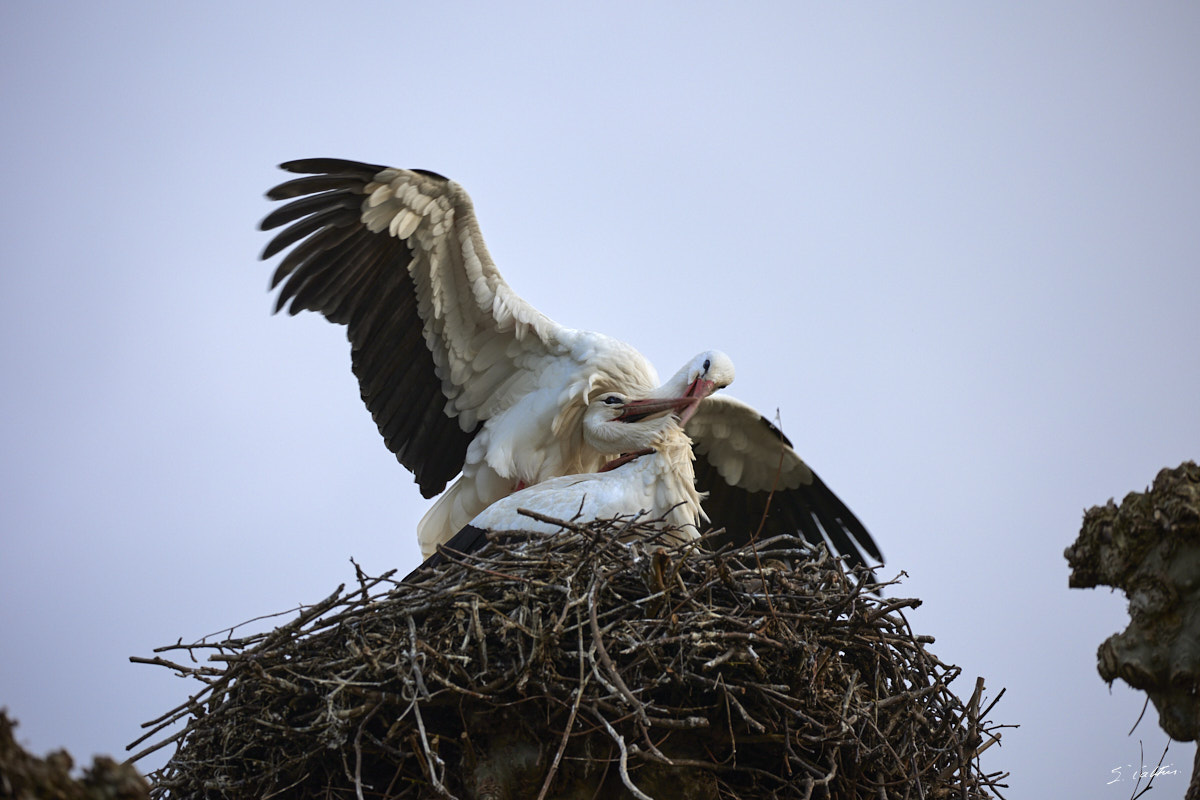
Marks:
<point>699,390</point>
<point>638,410</point>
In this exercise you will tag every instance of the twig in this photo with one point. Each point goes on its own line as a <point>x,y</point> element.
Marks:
<point>598,640</point>
<point>623,762</point>
<point>562,745</point>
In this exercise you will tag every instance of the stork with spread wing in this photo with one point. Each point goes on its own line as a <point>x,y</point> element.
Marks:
<point>462,375</point>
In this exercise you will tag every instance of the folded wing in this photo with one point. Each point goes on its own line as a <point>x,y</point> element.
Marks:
<point>757,484</point>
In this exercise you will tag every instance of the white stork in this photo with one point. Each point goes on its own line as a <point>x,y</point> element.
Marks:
<point>462,375</point>
<point>656,478</point>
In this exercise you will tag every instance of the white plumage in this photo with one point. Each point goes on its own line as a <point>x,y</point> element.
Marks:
<point>657,482</point>
<point>461,375</point>
<point>660,483</point>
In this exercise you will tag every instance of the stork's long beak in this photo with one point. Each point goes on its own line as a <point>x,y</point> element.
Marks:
<point>699,390</point>
<point>638,410</point>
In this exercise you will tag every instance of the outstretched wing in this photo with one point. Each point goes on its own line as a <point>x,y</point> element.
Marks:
<point>742,460</point>
<point>439,342</point>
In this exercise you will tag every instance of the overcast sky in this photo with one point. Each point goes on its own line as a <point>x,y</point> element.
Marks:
<point>956,246</point>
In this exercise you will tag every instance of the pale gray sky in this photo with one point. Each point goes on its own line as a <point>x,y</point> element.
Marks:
<point>956,245</point>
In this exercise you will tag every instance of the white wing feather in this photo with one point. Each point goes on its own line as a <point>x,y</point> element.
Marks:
<point>480,332</point>
<point>744,448</point>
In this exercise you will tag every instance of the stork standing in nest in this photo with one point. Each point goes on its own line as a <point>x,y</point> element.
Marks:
<point>462,375</point>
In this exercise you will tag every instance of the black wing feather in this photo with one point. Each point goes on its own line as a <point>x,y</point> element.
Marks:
<point>466,541</point>
<point>339,167</point>
<point>311,204</point>
<point>360,279</point>
<point>812,510</point>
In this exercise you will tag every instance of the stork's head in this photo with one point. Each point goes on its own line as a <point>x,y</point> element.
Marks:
<point>615,423</point>
<point>706,373</point>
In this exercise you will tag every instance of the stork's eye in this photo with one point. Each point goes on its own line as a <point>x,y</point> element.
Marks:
<point>707,364</point>
<point>612,400</point>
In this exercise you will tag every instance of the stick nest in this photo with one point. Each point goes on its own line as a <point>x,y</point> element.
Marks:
<point>599,662</point>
